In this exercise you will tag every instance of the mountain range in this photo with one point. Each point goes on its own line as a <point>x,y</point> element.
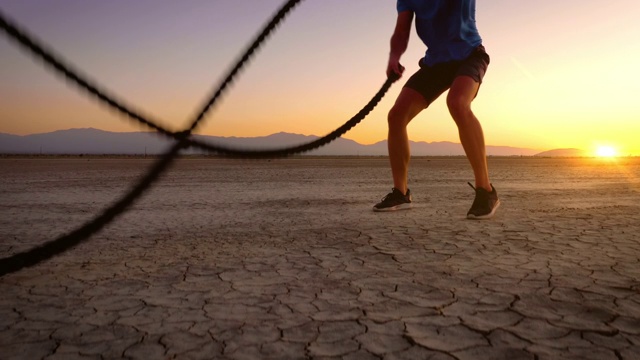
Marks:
<point>98,142</point>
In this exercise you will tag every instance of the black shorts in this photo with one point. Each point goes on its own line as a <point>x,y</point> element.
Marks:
<point>432,81</point>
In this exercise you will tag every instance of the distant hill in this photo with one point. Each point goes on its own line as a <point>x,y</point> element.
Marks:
<point>98,142</point>
<point>563,153</point>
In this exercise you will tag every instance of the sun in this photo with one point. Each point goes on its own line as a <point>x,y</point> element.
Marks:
<point>606,151</point>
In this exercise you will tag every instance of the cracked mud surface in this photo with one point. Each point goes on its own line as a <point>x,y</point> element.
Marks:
<point>284,259</point>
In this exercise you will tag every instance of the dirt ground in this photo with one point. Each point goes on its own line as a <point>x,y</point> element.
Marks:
<point>285,259</point>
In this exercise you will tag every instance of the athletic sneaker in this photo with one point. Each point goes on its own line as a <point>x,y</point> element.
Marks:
<point>395,200</point>
<point>484,205</point>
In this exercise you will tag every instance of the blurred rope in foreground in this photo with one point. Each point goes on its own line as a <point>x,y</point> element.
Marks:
<point>49,249</point>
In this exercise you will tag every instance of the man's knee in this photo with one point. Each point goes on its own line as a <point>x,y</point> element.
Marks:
<point>398,117</point>
<point>459,107</point>
<point>408,104</point>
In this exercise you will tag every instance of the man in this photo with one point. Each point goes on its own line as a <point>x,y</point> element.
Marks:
<point>455,60</point>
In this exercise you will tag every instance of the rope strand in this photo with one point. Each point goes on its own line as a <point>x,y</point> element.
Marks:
<point>49,249</point>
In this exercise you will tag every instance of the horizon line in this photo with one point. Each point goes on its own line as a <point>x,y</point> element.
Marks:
<point>276,133</point>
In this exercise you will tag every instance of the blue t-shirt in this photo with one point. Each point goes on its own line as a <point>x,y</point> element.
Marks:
<point>447,27</point>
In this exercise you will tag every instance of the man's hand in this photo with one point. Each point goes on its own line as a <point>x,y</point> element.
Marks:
<point>394,69</point>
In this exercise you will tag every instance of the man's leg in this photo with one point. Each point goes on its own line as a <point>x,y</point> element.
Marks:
<point>407,106</point>
<point>462,92</point>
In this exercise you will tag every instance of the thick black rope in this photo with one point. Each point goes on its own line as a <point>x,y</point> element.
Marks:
<point>63,243</point>
<point>287,151</point>
<point>66,70</point>
<point>48,57</point>
<point>66,242</point>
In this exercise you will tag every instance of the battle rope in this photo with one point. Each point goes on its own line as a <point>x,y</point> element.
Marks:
<point>56,63</point>
<point>43,252</point>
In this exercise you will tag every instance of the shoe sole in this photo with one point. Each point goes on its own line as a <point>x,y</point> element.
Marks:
<point>394,208</point>
<point>487,216</point>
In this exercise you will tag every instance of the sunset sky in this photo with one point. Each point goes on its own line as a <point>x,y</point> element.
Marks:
<point>563,74</point>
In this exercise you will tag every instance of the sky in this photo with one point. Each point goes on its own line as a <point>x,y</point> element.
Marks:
<point>563,74</point>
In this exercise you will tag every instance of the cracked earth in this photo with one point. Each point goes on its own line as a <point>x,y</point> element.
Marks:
<point>284,259</point>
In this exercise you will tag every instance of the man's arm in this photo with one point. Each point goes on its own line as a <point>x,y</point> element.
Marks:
<point>399,42</point>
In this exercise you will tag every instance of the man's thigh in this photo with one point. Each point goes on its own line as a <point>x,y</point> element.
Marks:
<point>432,81</point>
